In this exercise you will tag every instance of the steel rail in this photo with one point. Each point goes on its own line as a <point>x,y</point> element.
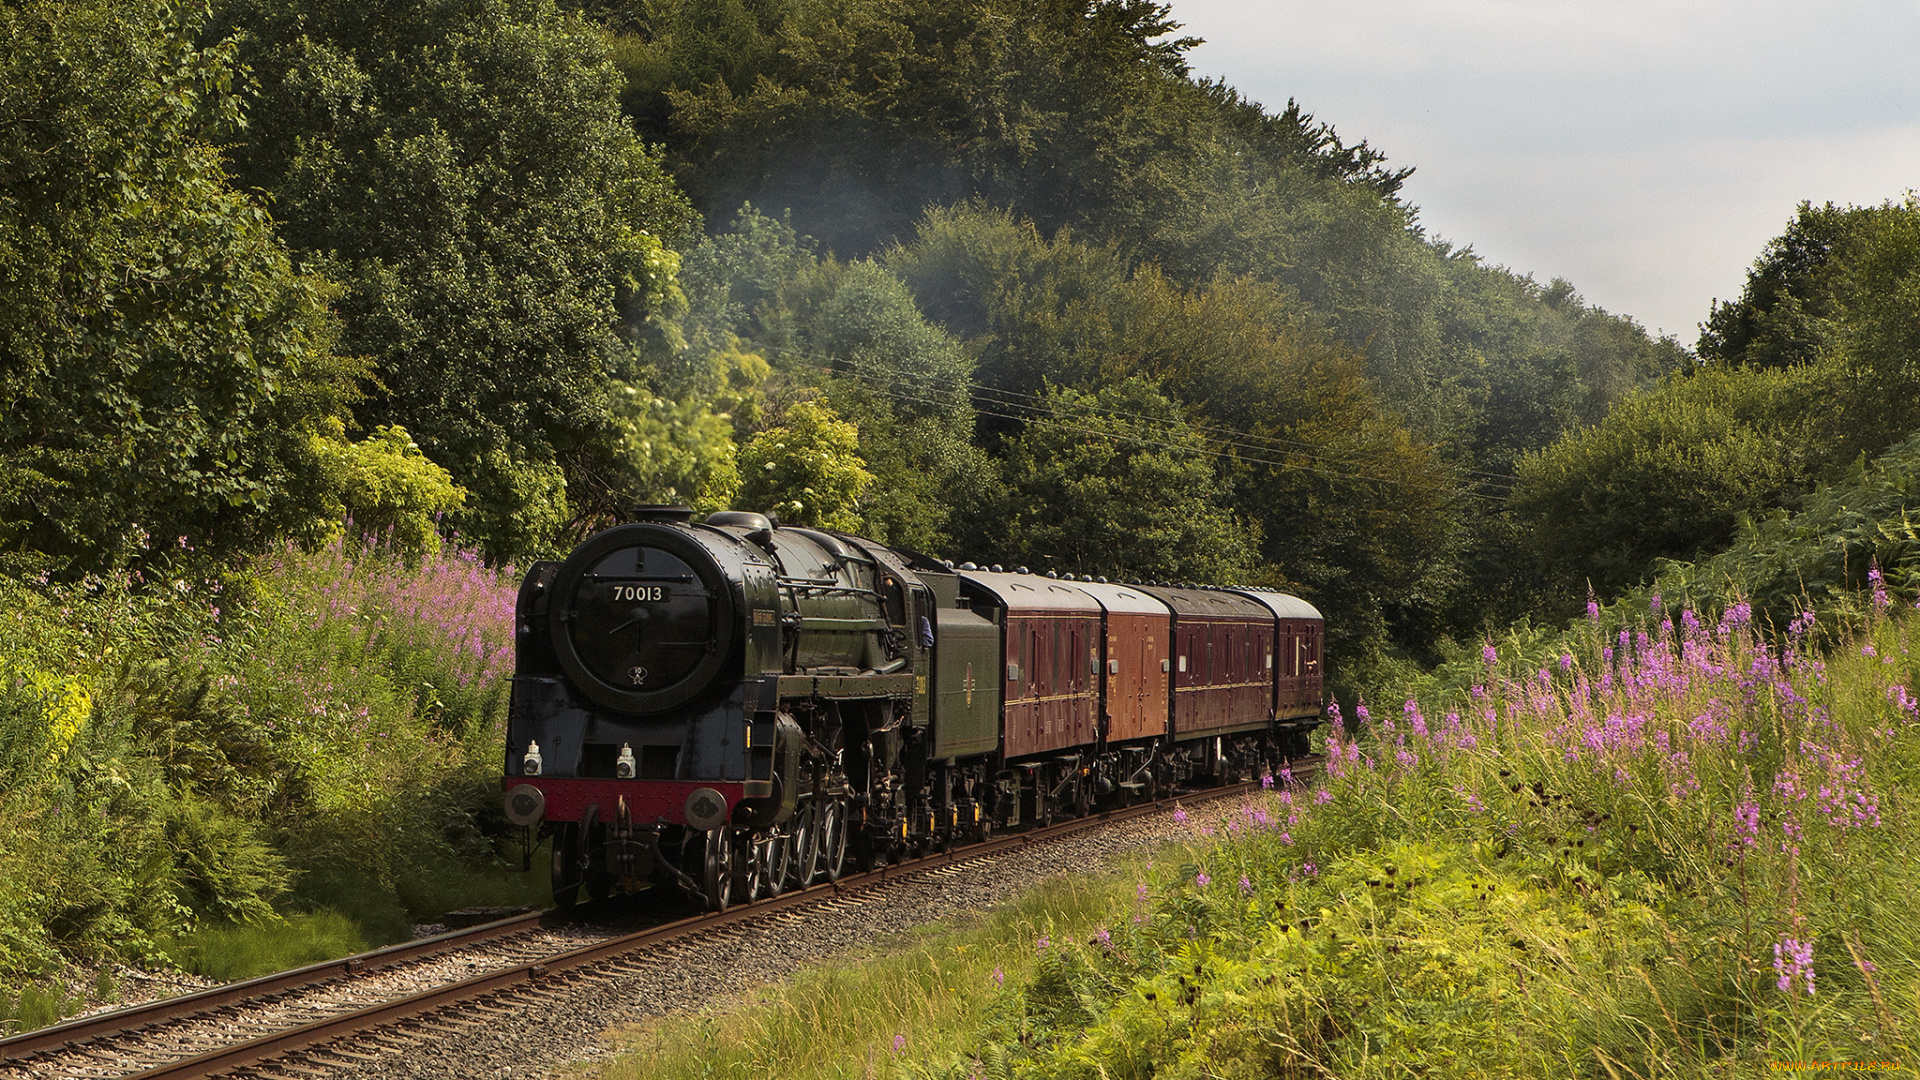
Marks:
<point>121,1021</point>
<point>315,1033</point>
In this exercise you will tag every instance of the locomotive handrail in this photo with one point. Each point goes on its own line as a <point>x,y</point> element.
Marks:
<point>817,583</point>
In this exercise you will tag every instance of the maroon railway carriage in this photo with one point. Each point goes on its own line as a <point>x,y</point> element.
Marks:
<point>1134,668</point>
<point>1221,663</point>
<point>1299,630</point>
<point>1051,638</point>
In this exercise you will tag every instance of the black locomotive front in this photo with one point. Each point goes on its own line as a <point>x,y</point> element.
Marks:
<point>649,732</point>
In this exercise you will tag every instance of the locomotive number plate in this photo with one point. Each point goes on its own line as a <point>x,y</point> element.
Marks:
<point>646,594</point>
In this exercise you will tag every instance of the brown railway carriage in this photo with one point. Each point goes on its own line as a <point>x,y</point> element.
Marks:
<point>1051,645</point>
<point>1299,630</point>
<point>1139,637</point>
<point>1223,649</point>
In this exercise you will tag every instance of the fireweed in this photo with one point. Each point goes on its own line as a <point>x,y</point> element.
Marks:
<point>1639,858</point>
<point>378,682</point>
<point>180,744</point>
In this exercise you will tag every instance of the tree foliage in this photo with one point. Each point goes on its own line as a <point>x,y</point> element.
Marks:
<point>389,492</point>
<point>864,119</point>
<point>807,469</point>
<point>1813,369</point>
<point>167,372</point>
<point>1349,506</point>
<point>852,335</point>
<point>499,234</point>
<point>1672,473</point>
<point>1115,482</point>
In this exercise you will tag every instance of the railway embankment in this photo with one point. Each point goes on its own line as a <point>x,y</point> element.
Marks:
<point>227,772</point>
<point>1671,847</point>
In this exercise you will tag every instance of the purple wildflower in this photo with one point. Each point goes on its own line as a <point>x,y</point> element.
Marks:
<point>1201,879</point>
<point>1793,959</point>
<point>1747,818</point>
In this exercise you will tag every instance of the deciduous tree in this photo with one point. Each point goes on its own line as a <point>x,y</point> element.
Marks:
<point>167,373</point>
<point>499,233</point>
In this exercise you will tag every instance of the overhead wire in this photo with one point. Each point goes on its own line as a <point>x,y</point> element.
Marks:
<point>1046,411</point>
<point>1229,436</point>
<point>1036,415</point>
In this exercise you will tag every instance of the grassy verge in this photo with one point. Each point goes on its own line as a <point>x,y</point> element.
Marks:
<point>222,770</point>
<point>1680,851</point>
<point>235,951</point>
<point>918,1001</point>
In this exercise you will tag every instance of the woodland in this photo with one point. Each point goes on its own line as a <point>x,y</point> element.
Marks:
<point>313,306</point>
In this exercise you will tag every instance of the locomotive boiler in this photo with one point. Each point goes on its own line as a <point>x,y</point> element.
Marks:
<point>733,707</point>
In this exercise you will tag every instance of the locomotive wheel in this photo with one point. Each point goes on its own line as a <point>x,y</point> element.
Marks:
<point>833,840</point>
<point>567,862</point>
<point>772,853</point>
<point>718,865</point>
<point>803,841</point>
<point>747,877</point>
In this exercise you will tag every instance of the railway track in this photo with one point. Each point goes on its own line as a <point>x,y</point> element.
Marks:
<point>349,1016</point>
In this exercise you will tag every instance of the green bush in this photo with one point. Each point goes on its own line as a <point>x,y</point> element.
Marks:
<point>189,756</point>
<point>1674,851</point>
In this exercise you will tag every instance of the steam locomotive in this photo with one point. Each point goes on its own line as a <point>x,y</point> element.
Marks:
<point>735,707</point>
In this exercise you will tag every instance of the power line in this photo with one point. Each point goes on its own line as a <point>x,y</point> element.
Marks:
<point>1036,408</point>
<point>1047,413</point>
<point>1037,416</point>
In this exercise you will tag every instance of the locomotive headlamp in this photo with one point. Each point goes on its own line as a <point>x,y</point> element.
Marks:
<point>623,765</point>
<point>530,765</point>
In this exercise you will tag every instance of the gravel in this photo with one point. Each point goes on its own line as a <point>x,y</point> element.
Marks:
<point>572,1026</point>
<point>134,1051</point>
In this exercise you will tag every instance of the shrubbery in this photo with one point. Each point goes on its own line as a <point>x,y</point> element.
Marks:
<point>182,754</point>
<point>1673,850</point>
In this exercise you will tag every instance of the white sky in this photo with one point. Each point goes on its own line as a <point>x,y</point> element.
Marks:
<point>1646,151</point>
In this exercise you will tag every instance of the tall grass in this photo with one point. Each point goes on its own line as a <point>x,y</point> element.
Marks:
<point>184,755</point>
<point>1677,851</point>
<point>1670,851</point>
<point>916,999</point>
